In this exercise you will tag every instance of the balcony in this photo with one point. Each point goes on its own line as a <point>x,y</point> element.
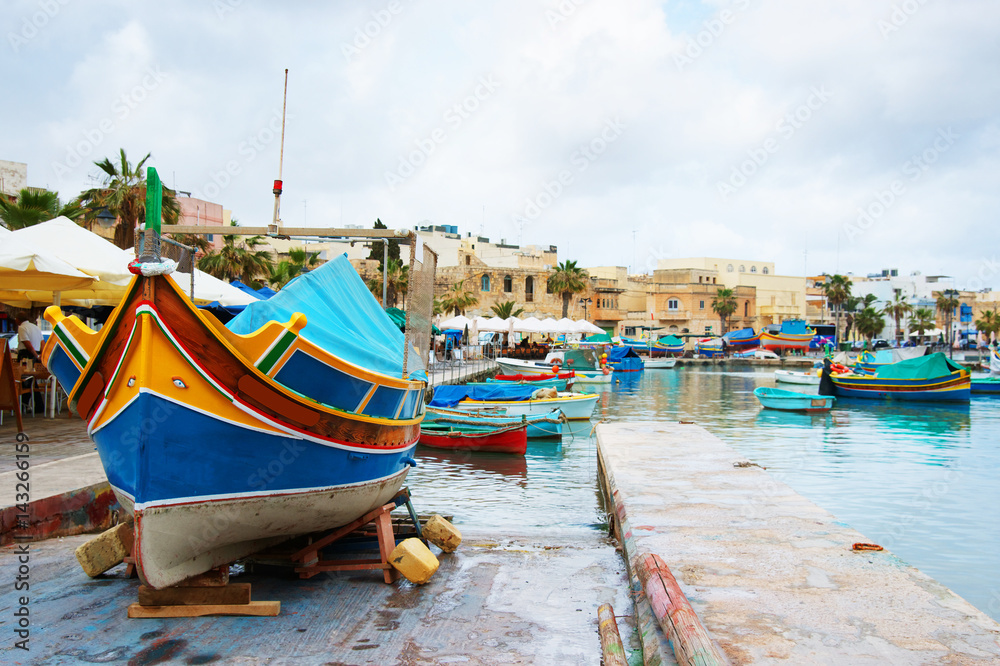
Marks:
<point>673,315</point>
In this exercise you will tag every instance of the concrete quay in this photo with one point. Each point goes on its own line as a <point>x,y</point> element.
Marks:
<point>772,576</point>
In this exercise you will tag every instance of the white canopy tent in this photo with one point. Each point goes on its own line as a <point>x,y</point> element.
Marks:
<point>27,265</point>
<point>101,259</point>
<point>459,322</point>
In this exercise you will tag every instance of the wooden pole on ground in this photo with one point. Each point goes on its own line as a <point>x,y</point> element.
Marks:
<point>692,644</point>
<point>611,641</point>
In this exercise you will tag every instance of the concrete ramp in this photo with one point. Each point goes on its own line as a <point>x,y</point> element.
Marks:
<point>772,576</point>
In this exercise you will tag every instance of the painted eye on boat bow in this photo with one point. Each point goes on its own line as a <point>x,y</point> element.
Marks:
<point>179,383</point>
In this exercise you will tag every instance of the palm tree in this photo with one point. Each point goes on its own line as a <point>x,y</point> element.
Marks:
<point>838,290</point>
<point>869,323</point>
<point>724,305</point>
<point>506,309</point>
<point>850,307</point>
<point>947,301</point>
<point>922,321</point>
<point>124,195</point>
<point>989,324</point>
<point>898,309</point>
<point>397,281</point>
<point>567,280</point>
<point>457,298</point>
<point>239,260</point>
<point>32,206</point>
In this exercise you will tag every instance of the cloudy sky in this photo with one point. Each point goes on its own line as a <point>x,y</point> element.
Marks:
<point>828,136</point>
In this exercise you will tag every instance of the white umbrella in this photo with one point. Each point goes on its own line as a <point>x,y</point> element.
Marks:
<point>495,324</point>
<point>459,322</point>
<point>549,325</point>
<point>82,249</point>
<point>587,327</point>
<point>528,325</point>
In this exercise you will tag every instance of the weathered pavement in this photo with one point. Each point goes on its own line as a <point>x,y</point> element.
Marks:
<point>494,601</point>
<point>772,576</point>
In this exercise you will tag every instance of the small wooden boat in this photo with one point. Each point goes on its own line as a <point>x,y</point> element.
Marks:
<point>515,400</point>
<point>669,344</point>
<point>624,359</point>
<point>512,438</point>
<point>986,385</point>
<point>793,334</point>
<point>584,363</point>
<point>709,347</point>
<point>660,363</point>
<point>932,378</point>
<point>795,377</point>
<point>791,401</point>
<point>540,426</point>
<point>745,338</point>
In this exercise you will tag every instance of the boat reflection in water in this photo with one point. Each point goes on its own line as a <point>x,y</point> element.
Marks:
<point>461,465</point>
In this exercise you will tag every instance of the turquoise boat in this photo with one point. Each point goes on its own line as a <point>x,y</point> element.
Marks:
<point>792,401</point>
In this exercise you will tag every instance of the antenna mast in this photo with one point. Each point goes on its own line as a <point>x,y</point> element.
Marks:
<point>275,222</point>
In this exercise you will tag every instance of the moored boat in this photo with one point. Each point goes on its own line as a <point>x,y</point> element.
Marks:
<point>624,359</point>
<point>985,385</point>
<point>214,458</point>
<point>709,347</point>
<point>515,400</point>
<point>510,438</point>
<point>545,425</point>
<point>669,344</point>
<point>661,363</point>
<point>796,377</point>
<point>744,338</point>
<point>932,378</point>
<point>793,334</point>
<point>791,401</point>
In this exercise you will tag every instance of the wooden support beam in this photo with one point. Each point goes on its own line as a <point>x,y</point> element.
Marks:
<point>678,620</point>
<point>254,608</point>
<point>236,593</point>
<point>611,641</point>
<point>311,232</point>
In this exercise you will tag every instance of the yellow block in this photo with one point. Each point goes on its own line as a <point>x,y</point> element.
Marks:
<point>414,560</point>
<point>105,551</point>
<point>442,534</point>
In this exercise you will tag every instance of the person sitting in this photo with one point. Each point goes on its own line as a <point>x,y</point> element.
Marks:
<point>29,339</point>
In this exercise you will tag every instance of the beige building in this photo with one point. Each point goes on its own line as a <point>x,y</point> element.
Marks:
<point>13,177</point>
<point>778,297</point>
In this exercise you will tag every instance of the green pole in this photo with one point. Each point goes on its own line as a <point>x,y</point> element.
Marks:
<point>154,200</point>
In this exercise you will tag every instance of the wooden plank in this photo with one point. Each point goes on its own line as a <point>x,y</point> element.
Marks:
<point>236,593</point>
<point>254,608</point>
<point>212,578</point>
<point>611,641</point>
<point>692,644</point>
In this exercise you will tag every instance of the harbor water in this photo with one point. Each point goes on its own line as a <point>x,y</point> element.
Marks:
<point>919,479</point>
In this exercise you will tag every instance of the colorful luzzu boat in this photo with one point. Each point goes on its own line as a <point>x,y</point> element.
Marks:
<point>214,458</point>
<point>932,378</point>
<point>794,334</point>
<point>745,338</point>
<point>709,347</point>
<point>669,344</point>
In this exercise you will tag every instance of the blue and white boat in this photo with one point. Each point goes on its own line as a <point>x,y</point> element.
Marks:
<point>792,401</point>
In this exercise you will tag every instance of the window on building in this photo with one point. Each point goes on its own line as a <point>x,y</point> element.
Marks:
<point>673,328</point>
<point>508,283</point>
<point>701,305</point>
<point>743,269</point>
<point>468,260</point>
<point>729,268</point>
<point>673,304</point>
<point>484,283</point>
<point>746,308</point>
<point>713,280</point>
<point>764,270</point>
<point>753,269</point>
<point>699,279</point>
<point>529,289</point>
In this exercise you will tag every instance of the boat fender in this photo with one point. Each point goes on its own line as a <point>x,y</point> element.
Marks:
<point>606,371</point>
<point>410,461</point>
<point>555,368</point>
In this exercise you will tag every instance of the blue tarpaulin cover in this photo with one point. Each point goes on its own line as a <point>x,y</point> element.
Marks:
<point>449,396</point>
<point>795,327</point>
<point>616,354</point>
<point>343,319</point>
<point>735,336</point>
<point>247,289</point>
